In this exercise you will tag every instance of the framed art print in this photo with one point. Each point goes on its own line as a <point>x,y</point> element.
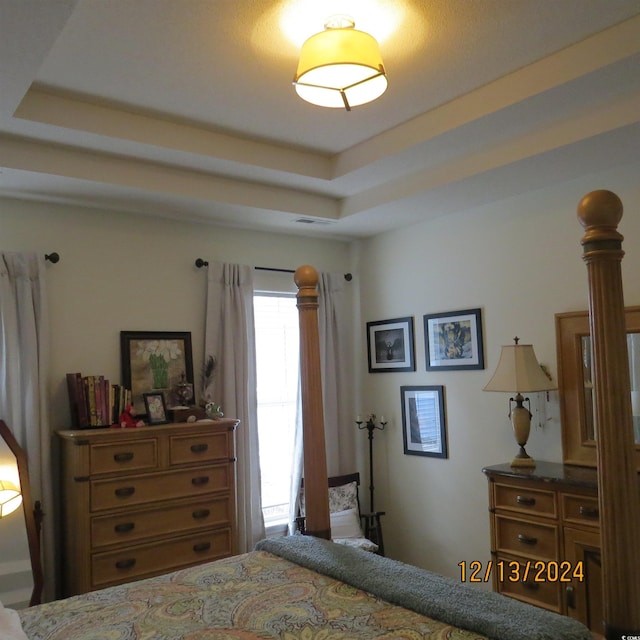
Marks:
<point>155,361</point>
<point>453,340</point>
<point>155,408</point>
<point>423,421</point>
<point>390,345</point>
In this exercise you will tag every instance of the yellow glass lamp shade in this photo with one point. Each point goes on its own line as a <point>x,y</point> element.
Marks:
<point>340,67</point>
<point>10,498</point>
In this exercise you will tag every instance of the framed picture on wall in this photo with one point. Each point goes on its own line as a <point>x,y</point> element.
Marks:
<point>453,340</point>
<point>155,361</point>
<point>390,345</point>
<point>423,421</point>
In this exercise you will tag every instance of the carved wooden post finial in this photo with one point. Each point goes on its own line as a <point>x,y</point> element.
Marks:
<point>599,213</point>
<point>306,279</point>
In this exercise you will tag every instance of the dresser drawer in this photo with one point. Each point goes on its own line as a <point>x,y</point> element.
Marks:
<point>140,561</point>
<point>526,538</point>
<point>204,447</point>
<point>138,525</point>
<point>580,509</point>
<point>155,487</point>
<point>544,594</point>
<point>525,500</point>
<point>139,455</point>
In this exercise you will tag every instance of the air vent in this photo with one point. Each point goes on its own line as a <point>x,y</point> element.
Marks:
<point>312,221</point>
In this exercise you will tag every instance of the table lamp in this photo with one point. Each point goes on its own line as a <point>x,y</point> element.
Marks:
<point>10,498</point>
<point>519,372</point>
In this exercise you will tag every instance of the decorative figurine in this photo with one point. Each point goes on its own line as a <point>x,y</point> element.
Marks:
<point>184,391</point>
<point>127,420</point>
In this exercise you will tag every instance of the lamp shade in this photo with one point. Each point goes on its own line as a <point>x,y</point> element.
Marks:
<point>10,498</point>
<point>518,371</point>
<point>340,68</point>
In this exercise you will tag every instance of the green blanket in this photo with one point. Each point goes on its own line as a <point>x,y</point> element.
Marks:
<point>493,615</point>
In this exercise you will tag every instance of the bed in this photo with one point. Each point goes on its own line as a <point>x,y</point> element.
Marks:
<point>306,587</point>
<point>301,588</point>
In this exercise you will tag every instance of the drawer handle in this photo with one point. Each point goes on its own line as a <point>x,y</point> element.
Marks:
<point>202,546</point>
<point>199,448</point>
<point>528,502</point>
<point>200,480</point>
<point>200,513</point>
<point>124,492</point>
<point>532,586</point>
<point>527,539</point>
<point>123,457</point>
<point>126,564</point>
<point>589,512</point>
<point>124,527</point>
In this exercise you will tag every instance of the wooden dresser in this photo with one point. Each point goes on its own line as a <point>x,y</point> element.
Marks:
<point>545,538</point>
<point>141,502</point>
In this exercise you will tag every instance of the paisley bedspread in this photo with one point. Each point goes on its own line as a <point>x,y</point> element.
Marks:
<point>253,596</point>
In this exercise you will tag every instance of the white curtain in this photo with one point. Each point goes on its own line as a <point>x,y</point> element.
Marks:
<point>230,339</point>
<point>335,366</point>
<point>24,370</point>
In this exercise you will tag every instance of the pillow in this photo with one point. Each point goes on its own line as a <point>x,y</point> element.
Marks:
<point>343,497</point>
<point>358,543</point>
<point>345,524</point>
<point>10,624</point>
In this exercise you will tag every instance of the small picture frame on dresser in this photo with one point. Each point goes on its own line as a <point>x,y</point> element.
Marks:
<point>156,408</point>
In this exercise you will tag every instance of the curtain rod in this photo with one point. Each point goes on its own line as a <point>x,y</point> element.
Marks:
<point>53,258</point>
<point>203,263</point>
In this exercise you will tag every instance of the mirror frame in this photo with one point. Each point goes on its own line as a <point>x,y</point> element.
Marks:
<point>577,447</point>
<point>32,513</point>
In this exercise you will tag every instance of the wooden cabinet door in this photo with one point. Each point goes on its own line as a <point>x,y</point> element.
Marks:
<point>584,596</point>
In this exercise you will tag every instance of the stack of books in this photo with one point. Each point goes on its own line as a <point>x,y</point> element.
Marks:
<point>94,402</point>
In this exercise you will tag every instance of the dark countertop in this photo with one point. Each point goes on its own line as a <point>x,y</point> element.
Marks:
<point>548,472</point>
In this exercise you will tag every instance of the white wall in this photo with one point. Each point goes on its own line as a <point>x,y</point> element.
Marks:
<point>519,260</point>
<point>126,272</point>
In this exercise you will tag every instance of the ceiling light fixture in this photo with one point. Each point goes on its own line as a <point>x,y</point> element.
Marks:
<point>340,67</point>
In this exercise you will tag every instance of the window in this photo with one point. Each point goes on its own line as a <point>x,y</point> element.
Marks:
<point>277,363</point>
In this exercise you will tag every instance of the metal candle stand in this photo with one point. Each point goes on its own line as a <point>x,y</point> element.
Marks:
<point>370,425</point>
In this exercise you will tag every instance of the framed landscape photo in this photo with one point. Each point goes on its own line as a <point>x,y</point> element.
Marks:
<point>154,361</point>
<point>453,340</point>
<point>423,421</point>
<point>390,345</point>
<point>155,408</point>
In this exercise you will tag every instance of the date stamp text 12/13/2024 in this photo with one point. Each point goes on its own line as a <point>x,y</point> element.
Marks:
<point>514,571</point>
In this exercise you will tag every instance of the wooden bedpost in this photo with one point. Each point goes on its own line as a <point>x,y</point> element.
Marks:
<point>599,213</point>
<point>316,491</point>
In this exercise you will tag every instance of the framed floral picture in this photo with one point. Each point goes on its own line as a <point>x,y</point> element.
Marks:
<point>155,408</point>
<point>155,362</point>
<point>390,345</point>
<point>453,340</point>
<point>423,421</point>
